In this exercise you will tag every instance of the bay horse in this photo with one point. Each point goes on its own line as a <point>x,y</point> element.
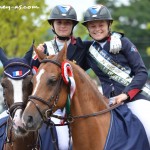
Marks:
<point>94,124</point>
<point>17,86</point>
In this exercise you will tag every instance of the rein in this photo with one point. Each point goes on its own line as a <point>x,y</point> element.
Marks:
<point>71,119</point>
<point>68,118</point>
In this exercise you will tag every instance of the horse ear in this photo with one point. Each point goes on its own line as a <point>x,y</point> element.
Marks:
<point>62,55</point>
<point>3,57</point>
<point>28,55</point>
<point>40,54</point>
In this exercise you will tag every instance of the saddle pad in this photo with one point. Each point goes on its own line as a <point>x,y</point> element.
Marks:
<point>126,131</point>
<point>3,124</point>
<point>46,140</point>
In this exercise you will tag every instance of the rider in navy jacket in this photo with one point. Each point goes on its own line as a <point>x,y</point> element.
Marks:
<point>123,74</point>
<point>62,20</point>
<point>75,52</point>
<point>128,57</point>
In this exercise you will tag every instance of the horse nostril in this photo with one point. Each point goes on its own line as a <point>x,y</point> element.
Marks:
<point>30,118</point>
<point>30,121</point>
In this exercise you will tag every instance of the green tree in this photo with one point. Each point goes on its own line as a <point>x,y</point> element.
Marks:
<point>82,32</point>
<point>21,21</point>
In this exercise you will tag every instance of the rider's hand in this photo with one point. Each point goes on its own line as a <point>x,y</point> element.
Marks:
<point>40,47</point>
<point>119,99</point>
<point>115,43</point>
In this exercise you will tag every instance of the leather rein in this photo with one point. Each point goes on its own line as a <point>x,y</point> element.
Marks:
<point>69,118</point>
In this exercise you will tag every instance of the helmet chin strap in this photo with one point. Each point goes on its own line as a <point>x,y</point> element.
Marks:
<point>61,37</point>
<point>103,40</point>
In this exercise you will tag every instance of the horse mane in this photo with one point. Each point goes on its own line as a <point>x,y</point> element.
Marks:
<point>79,73</point>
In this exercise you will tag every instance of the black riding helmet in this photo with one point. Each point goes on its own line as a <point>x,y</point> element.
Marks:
<point>98,12</point>
<point>63,12</point>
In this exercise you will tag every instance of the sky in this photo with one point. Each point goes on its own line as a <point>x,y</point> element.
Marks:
<point>79,5</point>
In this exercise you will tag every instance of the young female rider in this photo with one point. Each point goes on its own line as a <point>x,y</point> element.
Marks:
<point>123,75</point>
<point>63,19</point>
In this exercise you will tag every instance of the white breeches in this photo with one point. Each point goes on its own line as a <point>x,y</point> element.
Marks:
<point>62,132</point>
<point>141,108</point>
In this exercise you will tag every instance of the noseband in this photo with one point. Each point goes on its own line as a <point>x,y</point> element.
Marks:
<point>15,106</point>
<point>54,97</point>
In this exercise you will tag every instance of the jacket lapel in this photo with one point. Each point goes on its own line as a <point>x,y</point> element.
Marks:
<point>71,51</point>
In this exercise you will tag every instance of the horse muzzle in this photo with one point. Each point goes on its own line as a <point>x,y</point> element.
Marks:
<point>31,122</point>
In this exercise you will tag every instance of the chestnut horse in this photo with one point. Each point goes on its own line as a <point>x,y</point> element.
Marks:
<point>60,83</point>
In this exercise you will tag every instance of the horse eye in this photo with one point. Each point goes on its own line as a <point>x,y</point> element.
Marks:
<point>3,85</point>
<point>51,81</point>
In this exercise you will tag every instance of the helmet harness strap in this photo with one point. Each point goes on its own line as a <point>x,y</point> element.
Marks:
<point>61,37</point>
<point>106,38</point>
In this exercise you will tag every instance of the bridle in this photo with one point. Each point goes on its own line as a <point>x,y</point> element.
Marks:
<point>54,97</point>
<point>11,111</point>
<point>51,107</point>
<point>17,105</point>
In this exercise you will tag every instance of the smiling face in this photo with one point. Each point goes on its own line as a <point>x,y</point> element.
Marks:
<point>63,27</point>
<point>98,29</point>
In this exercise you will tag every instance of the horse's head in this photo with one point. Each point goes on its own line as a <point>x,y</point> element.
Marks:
<point>17,86</point>
<point>48,89</point>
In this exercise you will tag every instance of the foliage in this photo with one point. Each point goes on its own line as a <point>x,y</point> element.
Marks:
<point>82,32</point>
<point>21,22</point>
<point>148,51</point>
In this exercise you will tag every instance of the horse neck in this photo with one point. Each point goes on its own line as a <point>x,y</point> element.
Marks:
<point>88,100</point>
<point>87,97</point>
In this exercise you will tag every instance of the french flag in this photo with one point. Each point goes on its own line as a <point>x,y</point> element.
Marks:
<point>17,73</point>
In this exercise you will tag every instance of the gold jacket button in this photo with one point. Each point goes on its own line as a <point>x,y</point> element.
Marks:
<point>74,61</point>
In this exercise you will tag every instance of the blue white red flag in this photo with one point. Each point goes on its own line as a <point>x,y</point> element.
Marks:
<point>17,73</point>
